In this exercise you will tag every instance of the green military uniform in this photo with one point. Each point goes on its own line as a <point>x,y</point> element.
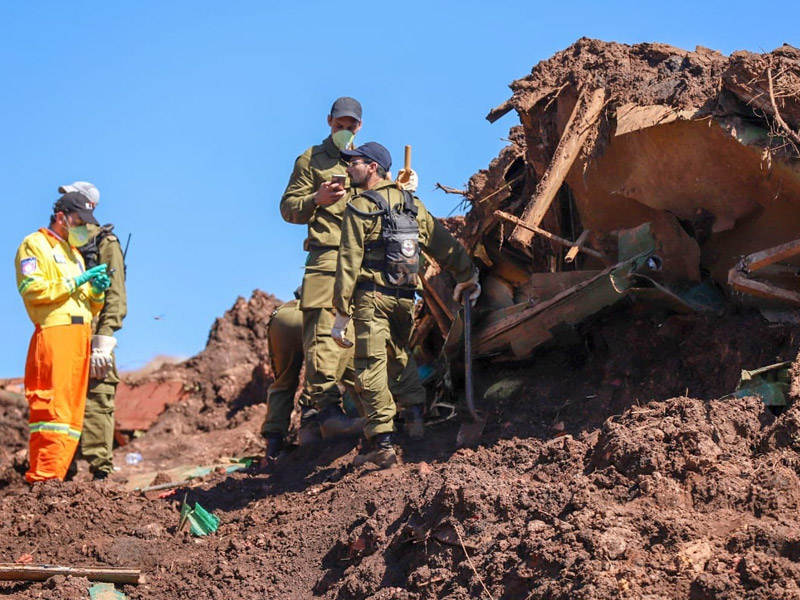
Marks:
<point>285,339</point>
<point>97,438</point>
<point>325,361</point>
<point>383,316</point>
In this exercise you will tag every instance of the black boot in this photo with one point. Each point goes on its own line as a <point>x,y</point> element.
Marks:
<point>274,445</point>
<point>382,453</point>
<point>415,421</point>
<point>333,422</point>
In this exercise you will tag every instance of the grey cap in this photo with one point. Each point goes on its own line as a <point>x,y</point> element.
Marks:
<point>82,187</point>
<point>346,107</point>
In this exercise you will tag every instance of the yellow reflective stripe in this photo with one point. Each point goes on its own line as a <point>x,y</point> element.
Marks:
<point>61,428</point>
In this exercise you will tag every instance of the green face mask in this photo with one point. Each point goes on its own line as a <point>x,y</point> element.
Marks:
<point>78,236</point>
<point>343,138</point>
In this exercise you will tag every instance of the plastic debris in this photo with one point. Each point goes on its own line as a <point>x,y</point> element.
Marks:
<point>133,458</point>
<point>105,591</point>
<point>201,522</point>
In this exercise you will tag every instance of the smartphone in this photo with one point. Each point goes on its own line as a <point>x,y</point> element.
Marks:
<point>340,179</point>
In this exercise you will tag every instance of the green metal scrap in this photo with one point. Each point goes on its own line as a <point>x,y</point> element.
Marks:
<point>770,383</point>
<point>201,521</point>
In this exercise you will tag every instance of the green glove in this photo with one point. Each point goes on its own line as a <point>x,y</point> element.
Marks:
<point>87,275</point>
<point>100,283</point>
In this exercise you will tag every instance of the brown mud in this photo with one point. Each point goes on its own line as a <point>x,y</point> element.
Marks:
<point>597,476</point>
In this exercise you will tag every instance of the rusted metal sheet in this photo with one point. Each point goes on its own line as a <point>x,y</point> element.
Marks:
<point>137,407</point>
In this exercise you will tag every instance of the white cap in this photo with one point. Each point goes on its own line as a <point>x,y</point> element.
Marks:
<point>82,187</point>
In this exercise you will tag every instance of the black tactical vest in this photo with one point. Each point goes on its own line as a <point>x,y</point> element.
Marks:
<point>399,239</point>
<point>91,250</point>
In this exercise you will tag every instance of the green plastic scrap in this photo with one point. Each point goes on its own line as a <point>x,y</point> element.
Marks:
<point>105,591</point>
<point>201,522</point>
<point>770,383</point>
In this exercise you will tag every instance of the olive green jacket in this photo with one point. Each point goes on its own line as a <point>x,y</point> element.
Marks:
<point>359,231</point>
<point>116,307</point>
<point>311,169</point>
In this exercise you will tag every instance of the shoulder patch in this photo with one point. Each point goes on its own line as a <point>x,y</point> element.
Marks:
<point>28,265</point>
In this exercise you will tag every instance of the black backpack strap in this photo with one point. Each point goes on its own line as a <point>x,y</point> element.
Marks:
<point>409,203</point>
<point>377,199</point>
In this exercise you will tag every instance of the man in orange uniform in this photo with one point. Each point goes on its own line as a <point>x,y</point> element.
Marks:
<point>61,297</point>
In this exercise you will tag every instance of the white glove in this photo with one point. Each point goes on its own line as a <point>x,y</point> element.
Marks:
<point>102,358</point>
<point>471,286</point>
<point>339,331</point>
<point>407,180</point>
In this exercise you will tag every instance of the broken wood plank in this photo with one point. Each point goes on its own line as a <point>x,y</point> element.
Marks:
<point>759,260</point>
<point>583,117</point>
<point>15,572</point>
<point>421,331</point>
<point>573,252</point>
<point>739,282</point>
<point>520,223</point>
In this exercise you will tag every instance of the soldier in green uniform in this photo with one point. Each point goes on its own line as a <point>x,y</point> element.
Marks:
<point>285,339</point>
<point>97,438</point>
<point>316,196</point>
<point>378,293</point>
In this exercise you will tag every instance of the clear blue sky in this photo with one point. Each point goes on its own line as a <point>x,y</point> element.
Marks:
<point>188,115</point>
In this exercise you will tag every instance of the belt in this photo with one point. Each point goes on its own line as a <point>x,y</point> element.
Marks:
<point>369,286</point>
<point>312,246</point>
<point>52,320</point>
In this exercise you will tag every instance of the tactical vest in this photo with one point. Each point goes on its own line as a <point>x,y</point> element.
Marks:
<point>399,240</point>
<point>91,250</point>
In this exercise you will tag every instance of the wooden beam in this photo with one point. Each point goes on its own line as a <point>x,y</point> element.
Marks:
<point>585,114</point>
<point>16,572</point>
<point>573,252</point>
<point>739,282</point>
<point>759,260</point>
<point>550,236</point>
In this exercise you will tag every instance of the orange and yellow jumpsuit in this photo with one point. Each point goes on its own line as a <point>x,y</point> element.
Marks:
<point>57,366</point>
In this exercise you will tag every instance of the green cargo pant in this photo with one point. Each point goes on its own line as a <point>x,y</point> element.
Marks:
<point>384,365</point>
<point>97,437</point>
<point>285,339</point>
<point>326,363</point>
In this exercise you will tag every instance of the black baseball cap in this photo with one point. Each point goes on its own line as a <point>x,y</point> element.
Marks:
<point>75,202</point>
<point>372,151</point>
<point>346,107</point>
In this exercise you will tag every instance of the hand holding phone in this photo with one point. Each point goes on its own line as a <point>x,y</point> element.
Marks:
<point>338,179</point>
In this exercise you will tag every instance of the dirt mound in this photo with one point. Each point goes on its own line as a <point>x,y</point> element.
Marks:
<point>231,375</point>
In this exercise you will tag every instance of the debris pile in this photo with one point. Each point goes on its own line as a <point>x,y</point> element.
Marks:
<point>639,171</point>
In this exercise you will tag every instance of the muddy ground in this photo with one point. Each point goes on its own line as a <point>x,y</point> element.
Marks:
<point>607,469</point>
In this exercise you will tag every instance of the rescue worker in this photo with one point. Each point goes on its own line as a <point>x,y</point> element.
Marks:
<point>97,439</point>
<point>285,340</point>
<point>60,296</point>
<point>377,291</point>
<point>316,196</point>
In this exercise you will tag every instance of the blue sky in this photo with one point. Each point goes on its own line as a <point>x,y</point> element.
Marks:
<point>188,117</point>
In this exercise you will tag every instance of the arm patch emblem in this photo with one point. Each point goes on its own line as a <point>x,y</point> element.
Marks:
<point>28,265</point>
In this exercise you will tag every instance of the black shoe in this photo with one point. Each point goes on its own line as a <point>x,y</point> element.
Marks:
<point>415,421</point>
<point>333,422</point>
<point>274,445</point>
<point>100,475</point>
<point>72,470</point>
